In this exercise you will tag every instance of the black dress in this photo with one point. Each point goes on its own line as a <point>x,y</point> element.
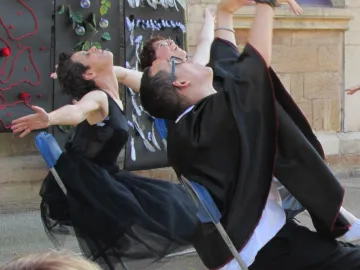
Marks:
<point>114,213</point>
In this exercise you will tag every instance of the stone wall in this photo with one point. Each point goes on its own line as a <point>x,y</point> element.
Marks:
<point>309,64</point>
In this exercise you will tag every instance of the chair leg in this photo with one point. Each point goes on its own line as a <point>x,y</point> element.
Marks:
<point>230,245</point>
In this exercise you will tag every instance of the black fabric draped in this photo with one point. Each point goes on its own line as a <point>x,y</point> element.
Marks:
<point>235,141</point>
<point>115,215</point>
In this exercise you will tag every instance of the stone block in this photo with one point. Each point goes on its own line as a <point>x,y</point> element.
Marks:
<point>5,148</point>
<point>316,37</point>
<point>297,85</point>
<point>24,146</point>
<point>285,78</point>
<point>22,169</point>
<point>352,3</point>
<point>354,24</point>
<point>306,108</point>
<point>192,2</point>
<point>295,59</point>
<point>195,13</point>
<point>193,30</point>
<point>282,37</point>
<point>330,58</point>
<point>15,192</point>
<point>214,2</point>
<point>326,115</point>
<point>352,37</point>
<point>319,85</point>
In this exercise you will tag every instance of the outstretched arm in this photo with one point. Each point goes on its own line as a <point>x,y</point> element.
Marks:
<point>128,77</point>
<point>353,89</point>
<point>206,37</point>
<point>95,101</point>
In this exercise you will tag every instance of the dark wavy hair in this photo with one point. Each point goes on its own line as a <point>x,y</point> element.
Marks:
<point>148,53</point>
<point>70,76</point>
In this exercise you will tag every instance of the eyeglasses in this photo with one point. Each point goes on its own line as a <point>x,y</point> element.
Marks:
<point>174,61</point>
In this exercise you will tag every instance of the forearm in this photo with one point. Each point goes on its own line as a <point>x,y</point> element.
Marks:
<point>206,38</point>
<point>128,77</point>
<point>224,19</point>
<point>262,31</point>
<point>66,115</point>
<point>207,31</point>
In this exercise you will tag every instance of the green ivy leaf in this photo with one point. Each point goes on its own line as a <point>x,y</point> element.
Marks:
<point>77,17</point>
<point>97,45</point>
<point>86,46</point>
<point>93,19</point>
<point>103,2</point>
<point>108,4</point>
<point>90,28</point>
<point>71,13</point>
<point>61,10</point>
<point>78,46</point>
<point>103,10</point>
<point>106,36</point>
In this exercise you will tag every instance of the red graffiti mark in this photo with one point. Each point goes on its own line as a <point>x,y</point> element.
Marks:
<point>13,67</point>
<point>4,105</point>
<point>23,98</point>
<point>25,35</point>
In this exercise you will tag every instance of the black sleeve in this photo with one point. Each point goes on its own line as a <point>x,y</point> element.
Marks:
<point>222,49</point>
<point>248,80</point>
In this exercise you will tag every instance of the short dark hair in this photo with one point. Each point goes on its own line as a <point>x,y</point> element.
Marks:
<point>160,97</point>
<point>70,76</point>
<point>148,53</point>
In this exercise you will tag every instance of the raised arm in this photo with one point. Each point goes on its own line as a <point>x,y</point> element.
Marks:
<point>206,37</point>
<point>95,101</point>
<point>128,77</point>
<point>261,32</point>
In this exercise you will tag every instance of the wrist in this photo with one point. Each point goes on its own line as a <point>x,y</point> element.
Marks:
<point>50,120</point>
<point>223,10</point>
<point>271,3</point>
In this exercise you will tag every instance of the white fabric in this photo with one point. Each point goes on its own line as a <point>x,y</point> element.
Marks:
<point>272,220</point>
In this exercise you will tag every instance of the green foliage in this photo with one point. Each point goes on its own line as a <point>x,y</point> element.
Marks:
<point>106,36</point>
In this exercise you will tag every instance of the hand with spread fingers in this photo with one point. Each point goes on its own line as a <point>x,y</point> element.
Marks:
<point>39,120</point>
<point>352,90</point>
<point>295,7</point>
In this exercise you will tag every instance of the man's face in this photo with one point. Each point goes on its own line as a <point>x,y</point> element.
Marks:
<point>165,49</point>
<point>98,61</point>
<point>192,80</point>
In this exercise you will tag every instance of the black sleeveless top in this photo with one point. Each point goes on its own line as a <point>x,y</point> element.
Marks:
<point>101,143</point>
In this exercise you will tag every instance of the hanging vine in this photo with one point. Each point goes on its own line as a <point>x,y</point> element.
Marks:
<point>82,25</point>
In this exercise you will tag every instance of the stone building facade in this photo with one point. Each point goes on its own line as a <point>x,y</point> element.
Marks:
<point>316,55</point>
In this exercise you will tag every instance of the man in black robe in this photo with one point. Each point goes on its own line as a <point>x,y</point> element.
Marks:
<point>236,140</point>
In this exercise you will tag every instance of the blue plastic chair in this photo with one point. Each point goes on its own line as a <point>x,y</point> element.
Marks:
<point>51,152</point>
<point>208,212</point>
<point>161,127</point>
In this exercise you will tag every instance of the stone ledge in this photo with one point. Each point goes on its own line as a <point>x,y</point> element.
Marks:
<point>340,143</point>
<point>313,18</point>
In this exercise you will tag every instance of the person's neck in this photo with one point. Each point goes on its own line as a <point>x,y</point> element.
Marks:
<point>109,84</point>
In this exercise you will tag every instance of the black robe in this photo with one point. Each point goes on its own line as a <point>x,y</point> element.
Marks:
<point>235,141</point>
